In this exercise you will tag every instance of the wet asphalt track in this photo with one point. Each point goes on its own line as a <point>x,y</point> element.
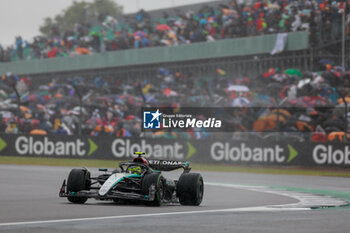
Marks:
<point>30,193</point>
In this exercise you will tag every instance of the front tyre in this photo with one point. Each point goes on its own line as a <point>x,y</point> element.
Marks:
<point>158,180</point>
<point>78,179</point>
<point>190,189</point>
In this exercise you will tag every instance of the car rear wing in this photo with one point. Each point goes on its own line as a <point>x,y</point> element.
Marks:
<point>169,165</point>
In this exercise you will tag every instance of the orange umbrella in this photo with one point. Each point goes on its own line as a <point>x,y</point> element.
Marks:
<point>98,128</point>
<point>263,124</point>
<point>24,109</point>
<point>274,117</point>
<point>341,101</point>
<point>58,96</point>
<point>38,132</point>
<point>303,126</point>
<point>108,129</point>
<point>81,50</point>
<point>27,115</point>
<point>337,136</point>
<point>282,111</point>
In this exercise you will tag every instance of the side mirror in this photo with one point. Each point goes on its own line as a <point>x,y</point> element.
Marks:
<point>102,169</point>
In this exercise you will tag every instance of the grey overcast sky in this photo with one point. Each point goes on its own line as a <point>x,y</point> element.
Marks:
<point>23,17</point>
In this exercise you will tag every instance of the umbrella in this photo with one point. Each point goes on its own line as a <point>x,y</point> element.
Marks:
<point>168,92</point>
<point>326,61</point>
<point>319,137</point>
<point>140,34</point>
<point>81,50</point>
<point>220,71</point>
<point>293,72</point>
<point>38,132</point>
<point>108,129</point>
<point>24,109</point>
<point>52,53</point>
<point>273,6</point>
<point>240,102</point>
<point>257,5</point>
<point>40,107</point>
<point>337,136</point>
<point>229,12</point>
<point>270,72</point>
<point>303,102</point>
<point>282,112</point>
<point>303,126</point>
<point>238,88</point>
<point>163,71</point>
<point>303,82</point>
<point>333,122</point>
<point>95,33</point>
<point>163,27</point>
<point>341,101</point>
<point>319,103</point>
<point>275,117</point>
<point>263,124</point>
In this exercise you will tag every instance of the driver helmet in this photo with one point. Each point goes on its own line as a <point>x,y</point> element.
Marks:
<point>134,170</point>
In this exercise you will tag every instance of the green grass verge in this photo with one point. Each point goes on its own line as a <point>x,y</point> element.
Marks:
<point>196,167</point>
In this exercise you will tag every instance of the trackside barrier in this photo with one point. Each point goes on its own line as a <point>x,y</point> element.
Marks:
<point>257,152</point>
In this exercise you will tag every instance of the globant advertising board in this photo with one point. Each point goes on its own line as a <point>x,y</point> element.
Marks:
<point>255,152</point>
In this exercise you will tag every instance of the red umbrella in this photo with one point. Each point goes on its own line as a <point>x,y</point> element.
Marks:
<point>168,92</point>
<point>140,34</point>
<point>129,117</point>
<point>163,27</point>
<point>52,53</point>
<point>257,5</point>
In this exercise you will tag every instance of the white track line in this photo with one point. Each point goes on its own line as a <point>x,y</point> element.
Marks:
<point>305,200</point>
<point>244,209</point>
<point>299,206</point>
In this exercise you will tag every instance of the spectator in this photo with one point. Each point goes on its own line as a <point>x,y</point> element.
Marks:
<point>321,18</point>
<point>19,47</point>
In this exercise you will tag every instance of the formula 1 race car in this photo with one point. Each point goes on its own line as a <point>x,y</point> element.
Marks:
<point>139,180</point>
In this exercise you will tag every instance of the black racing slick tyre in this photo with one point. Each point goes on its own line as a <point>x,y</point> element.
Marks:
<point>78,179</point>
<point>158,180</point>
<point>190,189</point>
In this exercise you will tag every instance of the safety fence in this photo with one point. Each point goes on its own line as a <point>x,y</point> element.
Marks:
<point>248,152</point>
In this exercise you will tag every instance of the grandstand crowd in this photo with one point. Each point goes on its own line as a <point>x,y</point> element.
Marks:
<point>310,104</point>
<point>322,18</point>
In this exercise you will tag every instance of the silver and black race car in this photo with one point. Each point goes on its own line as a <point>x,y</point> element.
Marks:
<point>139,180</point>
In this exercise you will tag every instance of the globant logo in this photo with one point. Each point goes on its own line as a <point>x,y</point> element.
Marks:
<point>125,148</point>
<point>323,154</point>
<point>221,151</point>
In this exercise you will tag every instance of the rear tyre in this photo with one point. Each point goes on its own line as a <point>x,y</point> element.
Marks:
<point>78,179</point>
<point>158,180</point>
<point>190,189</point>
